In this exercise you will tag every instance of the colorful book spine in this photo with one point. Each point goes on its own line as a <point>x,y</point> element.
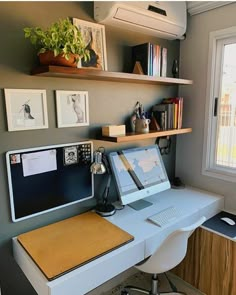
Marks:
<point>152,58</point>
<point>156,60</point>
<point>176,112</point>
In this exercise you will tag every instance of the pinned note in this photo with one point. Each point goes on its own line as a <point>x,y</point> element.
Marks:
<point>39,162</point>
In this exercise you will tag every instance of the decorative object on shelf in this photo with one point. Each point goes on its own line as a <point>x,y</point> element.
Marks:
<point>153,124</point>
<point>95,42</point>
<point>113,130</point>
<point>134,116</point>
<point>26,109</point>
<point>175,69</point>
<point>72,108</point>
<point>60,44</point>
<point>142,125</point>
<point>139,120</point>
<point>101,166</point>
<point>138,68</point>
<point>48,58</point>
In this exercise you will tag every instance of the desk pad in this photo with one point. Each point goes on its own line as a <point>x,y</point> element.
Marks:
<point>217,224</point>
<point>65,245</point>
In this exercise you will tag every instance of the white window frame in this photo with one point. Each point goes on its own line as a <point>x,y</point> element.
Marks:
<point>209,167</point>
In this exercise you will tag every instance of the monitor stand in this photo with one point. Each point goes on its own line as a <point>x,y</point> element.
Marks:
<point>140,204</point>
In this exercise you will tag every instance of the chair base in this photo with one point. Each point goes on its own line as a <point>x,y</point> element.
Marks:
<point>154,289</point>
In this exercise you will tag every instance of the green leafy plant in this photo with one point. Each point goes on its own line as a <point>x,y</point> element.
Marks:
<point>62,37</point>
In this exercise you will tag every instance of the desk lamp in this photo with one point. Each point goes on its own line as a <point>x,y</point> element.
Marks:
<point>101,166</point>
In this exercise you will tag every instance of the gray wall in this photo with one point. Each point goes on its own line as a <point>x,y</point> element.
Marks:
<point>194,65</point>
<point>109,102</point>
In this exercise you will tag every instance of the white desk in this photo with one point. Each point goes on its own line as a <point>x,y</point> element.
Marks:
<point>192,202</point>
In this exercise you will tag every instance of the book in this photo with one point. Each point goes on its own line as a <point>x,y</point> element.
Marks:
<point>163,115</point>
<point>156,60</point>
<point>177,104</point>
<point>143,54</point>
<point>152,58</point>
<point>169,113</point>
<point>163,71</point>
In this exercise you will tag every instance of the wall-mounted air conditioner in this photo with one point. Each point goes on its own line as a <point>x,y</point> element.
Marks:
<point>165,19</point>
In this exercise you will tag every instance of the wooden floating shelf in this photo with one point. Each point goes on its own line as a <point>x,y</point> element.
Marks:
<point>140,136</point>
<point>93,74</point>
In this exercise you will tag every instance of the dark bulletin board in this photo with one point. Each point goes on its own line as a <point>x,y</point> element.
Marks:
<point>71,182</point>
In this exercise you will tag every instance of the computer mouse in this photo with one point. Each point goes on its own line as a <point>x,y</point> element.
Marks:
<point>228,220</point>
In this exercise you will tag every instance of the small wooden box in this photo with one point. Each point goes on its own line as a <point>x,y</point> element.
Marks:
<point>113,130</point>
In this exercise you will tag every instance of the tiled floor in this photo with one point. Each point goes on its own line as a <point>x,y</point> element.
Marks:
<point>144,280</point>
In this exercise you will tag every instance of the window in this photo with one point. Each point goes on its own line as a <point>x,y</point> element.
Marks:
<point>220,130</point>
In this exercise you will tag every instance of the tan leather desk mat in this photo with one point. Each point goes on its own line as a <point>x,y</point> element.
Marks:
<point>65,245</point>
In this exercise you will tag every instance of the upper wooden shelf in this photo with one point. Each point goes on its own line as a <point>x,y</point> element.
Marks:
<point>93,74</point>
<point>140,136</point>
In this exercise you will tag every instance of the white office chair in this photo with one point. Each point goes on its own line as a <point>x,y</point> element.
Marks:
<point>169,254</point>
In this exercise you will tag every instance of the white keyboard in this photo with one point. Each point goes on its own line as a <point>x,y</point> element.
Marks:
<point>166,216</point>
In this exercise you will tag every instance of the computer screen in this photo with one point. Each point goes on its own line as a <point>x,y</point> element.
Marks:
<point>47,178</point>
<point>138,172</point>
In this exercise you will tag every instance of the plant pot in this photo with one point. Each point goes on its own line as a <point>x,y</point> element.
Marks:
<point>48,58</point>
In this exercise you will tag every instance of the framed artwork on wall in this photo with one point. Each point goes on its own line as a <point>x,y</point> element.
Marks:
<point>72,108</point>
<point>95,40</point>
<point>26,109</point>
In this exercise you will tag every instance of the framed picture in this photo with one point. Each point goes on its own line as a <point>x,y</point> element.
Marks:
<point>26,109</point>
<point>72,108</point>
<point>94,37</point>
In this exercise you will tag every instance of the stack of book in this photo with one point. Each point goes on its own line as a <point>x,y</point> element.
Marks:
<point>169,113</point>
<point>152,58</point>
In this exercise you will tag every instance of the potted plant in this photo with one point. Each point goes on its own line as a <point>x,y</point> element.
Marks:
<point>60,44</point>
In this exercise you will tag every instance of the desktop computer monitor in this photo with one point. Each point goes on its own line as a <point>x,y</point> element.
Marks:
<point>46,178</point>
<point>139,173</point>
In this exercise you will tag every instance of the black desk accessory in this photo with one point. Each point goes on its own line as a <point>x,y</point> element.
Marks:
<point>101,166</point>
<point>215,223</point>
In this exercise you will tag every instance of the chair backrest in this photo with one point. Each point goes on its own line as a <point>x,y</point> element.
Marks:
<point>171,251</point>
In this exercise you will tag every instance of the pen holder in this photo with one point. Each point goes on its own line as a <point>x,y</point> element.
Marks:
<point>142,125</point>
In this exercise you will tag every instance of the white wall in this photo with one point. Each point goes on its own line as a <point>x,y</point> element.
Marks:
<point>194,65</point>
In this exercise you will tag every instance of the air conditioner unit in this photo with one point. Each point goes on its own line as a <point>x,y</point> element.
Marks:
<point>165,19</point>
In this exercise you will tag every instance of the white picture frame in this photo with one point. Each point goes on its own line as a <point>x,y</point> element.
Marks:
<point>95,40</point>
<point>72,108</point>
<point>26,109</point>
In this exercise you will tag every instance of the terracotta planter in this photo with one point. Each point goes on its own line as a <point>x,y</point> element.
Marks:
<point>48,58</point>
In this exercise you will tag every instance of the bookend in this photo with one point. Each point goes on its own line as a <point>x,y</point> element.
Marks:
<point>154,125</point>
<point>138,68</point>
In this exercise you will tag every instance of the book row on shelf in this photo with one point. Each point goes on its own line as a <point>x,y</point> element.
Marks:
<point>169,113</point>
<point>152,58</point>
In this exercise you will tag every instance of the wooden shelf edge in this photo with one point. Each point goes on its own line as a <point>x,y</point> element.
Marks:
<point>151,134</point>
<point>94,74</point>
